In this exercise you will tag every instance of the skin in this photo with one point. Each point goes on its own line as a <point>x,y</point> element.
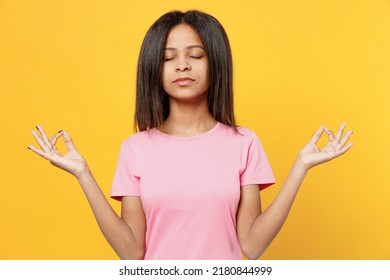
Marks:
<point>184,56</point>
<point>189,116</point>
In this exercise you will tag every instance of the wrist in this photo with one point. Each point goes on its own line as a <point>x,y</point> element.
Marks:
<point>83,173</point>
<point>300,166</point>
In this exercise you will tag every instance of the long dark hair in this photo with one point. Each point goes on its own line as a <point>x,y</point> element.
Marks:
<point>152,102</point>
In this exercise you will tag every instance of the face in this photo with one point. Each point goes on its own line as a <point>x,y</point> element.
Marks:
<point>185,70</point>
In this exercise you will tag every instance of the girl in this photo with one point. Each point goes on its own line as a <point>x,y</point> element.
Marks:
<point>189,180</point>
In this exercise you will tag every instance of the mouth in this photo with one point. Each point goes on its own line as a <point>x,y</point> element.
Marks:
<point>185,81</point>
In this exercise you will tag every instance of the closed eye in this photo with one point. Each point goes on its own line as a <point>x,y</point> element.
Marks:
<point>196,56</point>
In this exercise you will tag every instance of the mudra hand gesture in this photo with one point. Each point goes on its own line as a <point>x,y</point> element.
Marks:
<point>311,155</point>
<point>72,162</point>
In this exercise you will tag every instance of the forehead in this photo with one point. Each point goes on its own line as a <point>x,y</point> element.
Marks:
<point>182,36</point>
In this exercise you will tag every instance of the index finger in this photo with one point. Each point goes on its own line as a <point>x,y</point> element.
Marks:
<point>68,141</point>
<point>317,135</point>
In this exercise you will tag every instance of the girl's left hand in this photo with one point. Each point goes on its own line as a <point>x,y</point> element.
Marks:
<point>311,155</point>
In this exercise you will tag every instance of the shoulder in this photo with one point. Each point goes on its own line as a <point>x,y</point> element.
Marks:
<point>136,141</point>
<point>246,132</point>
<point>138,137</point>
<point>242,133</point>
<point>242,138</point>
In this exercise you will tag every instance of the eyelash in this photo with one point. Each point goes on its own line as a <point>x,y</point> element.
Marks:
<point>192,56</point>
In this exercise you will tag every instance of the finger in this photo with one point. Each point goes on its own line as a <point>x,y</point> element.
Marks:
<point>40,152</point>
<point>346,137</point>
<point>340,132</point>
<point>68,142</point>
<point>330,141</point>
<point>330,134</point>
<point>317,135</point>
<point>343,150</point>
<point>44,136</point>
<point>54,139</point>
<point>41,143</point>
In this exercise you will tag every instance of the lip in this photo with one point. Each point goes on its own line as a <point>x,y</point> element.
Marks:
<point>184,81</point>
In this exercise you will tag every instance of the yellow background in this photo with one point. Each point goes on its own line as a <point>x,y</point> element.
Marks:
<point>298,64</point>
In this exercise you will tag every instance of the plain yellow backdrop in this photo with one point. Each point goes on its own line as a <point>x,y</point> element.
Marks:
<point>297,64</point>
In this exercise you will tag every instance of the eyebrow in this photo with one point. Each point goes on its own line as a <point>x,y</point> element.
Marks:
<point>188,47</point>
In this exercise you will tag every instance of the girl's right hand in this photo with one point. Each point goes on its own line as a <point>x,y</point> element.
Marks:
<point>72,161</point>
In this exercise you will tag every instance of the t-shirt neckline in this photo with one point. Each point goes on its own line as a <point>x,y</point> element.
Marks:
<point>210,131</point>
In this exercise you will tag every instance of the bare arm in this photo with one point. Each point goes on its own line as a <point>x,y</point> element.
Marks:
<point>255,229</point>
<point>126,234</point>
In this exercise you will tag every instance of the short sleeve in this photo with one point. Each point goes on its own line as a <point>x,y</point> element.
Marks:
<point>125,183</point>
<point>257,169</point>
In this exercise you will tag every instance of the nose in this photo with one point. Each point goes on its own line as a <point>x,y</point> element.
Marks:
<point>183,65</point>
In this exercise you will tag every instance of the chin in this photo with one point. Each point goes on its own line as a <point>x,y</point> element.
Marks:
<point>182,97</point>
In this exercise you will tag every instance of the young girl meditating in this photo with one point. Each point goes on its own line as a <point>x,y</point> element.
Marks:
<point>189,179</point>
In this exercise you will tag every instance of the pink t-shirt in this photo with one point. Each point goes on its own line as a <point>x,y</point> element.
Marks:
<point>190,188</point>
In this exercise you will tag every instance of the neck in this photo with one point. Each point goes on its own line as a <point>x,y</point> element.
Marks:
<point>188,119</point>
